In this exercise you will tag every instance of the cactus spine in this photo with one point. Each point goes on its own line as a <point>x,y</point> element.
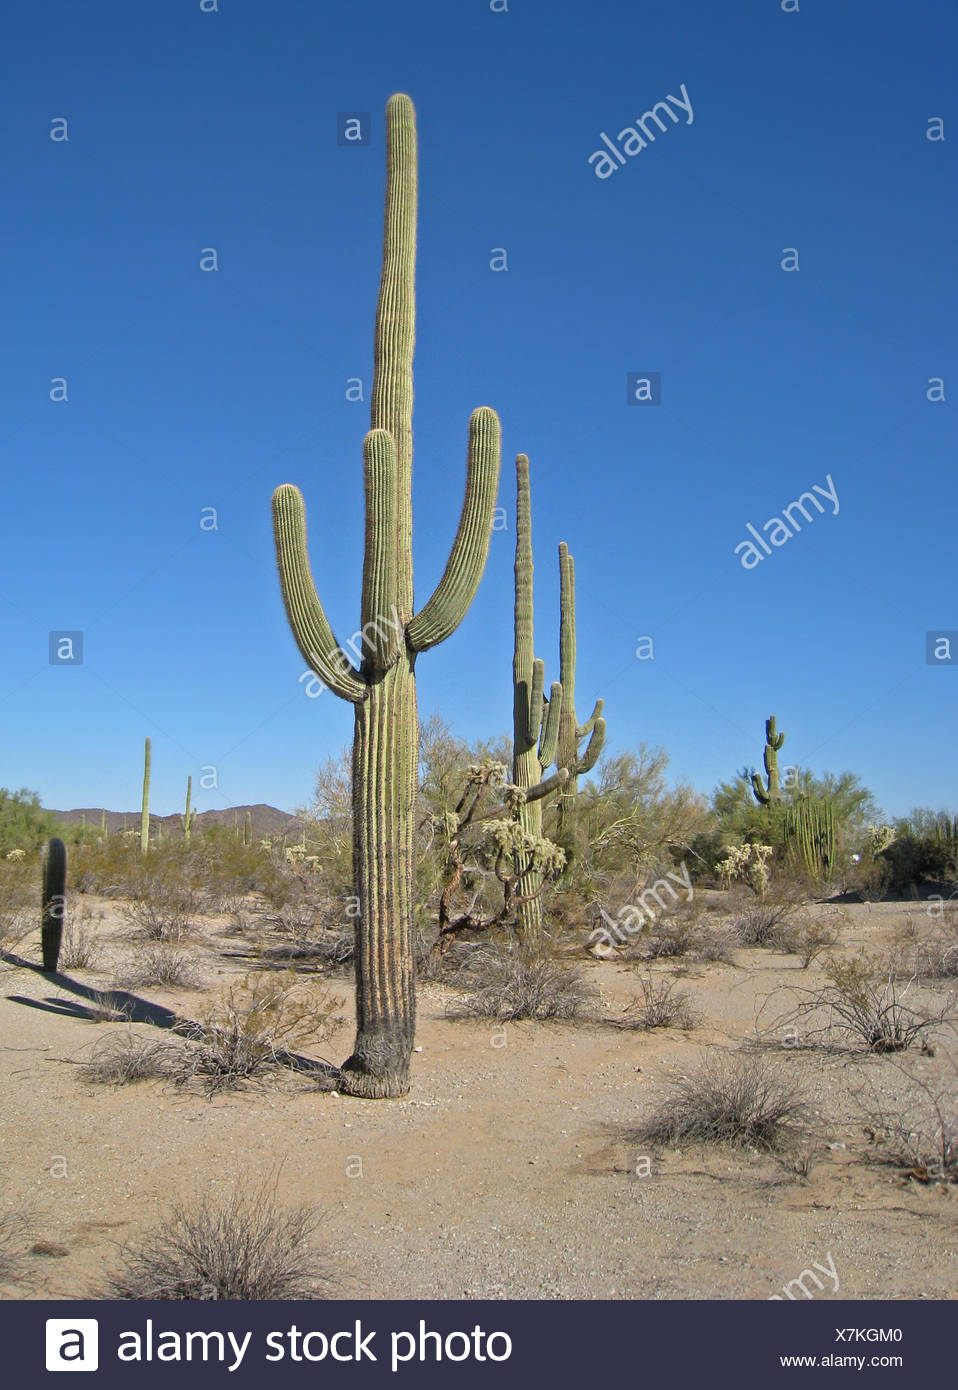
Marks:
<point>52,903</point>
<point>809,828</point>
<point>773,742</point>
<point>571,733</point>
<point>535,720</point>
<point>145,811</point>
<point>190,816</point>
<point>382,688</point>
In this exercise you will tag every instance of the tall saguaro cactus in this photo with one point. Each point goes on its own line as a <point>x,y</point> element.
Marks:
<point>145,809</point>
<point>189,816</point>
<point>536,723</point>
<point>382,688</point>
<point>773,742</point>
<point>571,733</point>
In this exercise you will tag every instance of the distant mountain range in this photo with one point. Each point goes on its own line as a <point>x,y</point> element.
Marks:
<point>266,820</point>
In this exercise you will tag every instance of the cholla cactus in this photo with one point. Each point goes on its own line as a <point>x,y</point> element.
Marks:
<point>877,838</point>
<point>382,690</point>
<point>748,863</point>
<point>16,855</point>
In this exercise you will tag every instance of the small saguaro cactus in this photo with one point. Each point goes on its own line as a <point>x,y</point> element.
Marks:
<point>382,689</point>
<point>248,830</point>
<point>52,903</point>
<point>189,817</point>
<point>571,734</point>
<point>145,810</point>
<point>773,742</point>
<point>536,722</point>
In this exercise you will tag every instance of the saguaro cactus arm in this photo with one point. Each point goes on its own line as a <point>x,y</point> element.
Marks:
<point>593,719</point>
<point>572,734</point>
<point>456,589</point>
<point>305,612</point>
<point>549,741</point>
<point>586,761</point>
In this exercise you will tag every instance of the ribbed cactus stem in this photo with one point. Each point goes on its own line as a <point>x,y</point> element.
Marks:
<point>537,723</point>
<point>572,733</point>
<point>145,809</point>
<point>770,790</point>
<point>248,830</point>
<point>188,816</point>
<point>382,687</point>
<point>52,903</point>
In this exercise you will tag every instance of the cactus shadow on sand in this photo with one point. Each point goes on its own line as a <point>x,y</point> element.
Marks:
<point>132,1008</point>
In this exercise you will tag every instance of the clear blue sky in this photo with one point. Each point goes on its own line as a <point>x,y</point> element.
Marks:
<point>188,389</point>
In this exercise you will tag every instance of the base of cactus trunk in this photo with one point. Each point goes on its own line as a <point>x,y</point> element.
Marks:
<point>378,1068</point>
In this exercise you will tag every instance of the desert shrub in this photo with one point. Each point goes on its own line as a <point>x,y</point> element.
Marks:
<point>162,910</point>
<point>920,1134</point>
<point>866,1006</point>
<point>19,898</point>
<point>760,923</point>
<point>311,934</point>
<point>736,1100</point>
<point>121,1059</point>
<point>682,934</point>
<point>14,1228</point>
<point>662,1005</point>
<point>253,1029</point>
<point>105,1007</point>
<point>806,939</point>
<point>501,983</point>
<point>245,1247</point>
<point>667,937</point>
<point>79,948</point>
<point>160,964</point>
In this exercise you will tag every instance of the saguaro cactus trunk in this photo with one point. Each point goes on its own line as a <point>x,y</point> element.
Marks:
<point>145,810</point>
<point>52,903</point>
<point>382,689</point>
<point>189,816</point>
<point>571,734</point>
<point>535,724</point>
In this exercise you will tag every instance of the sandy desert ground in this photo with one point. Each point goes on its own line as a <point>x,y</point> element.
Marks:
<point>510,1171</point>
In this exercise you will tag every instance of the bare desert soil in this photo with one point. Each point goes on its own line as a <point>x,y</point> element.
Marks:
<point>508,1172</point>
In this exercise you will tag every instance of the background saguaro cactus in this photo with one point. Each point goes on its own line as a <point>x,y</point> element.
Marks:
<point>145,811</point>
<point>382,689</point>
<point>52,903</point>
<point>773,742</point>
<point>571,733</point>
<point>248,830</point>
<point>535,737</point>
<point>189,816</point>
